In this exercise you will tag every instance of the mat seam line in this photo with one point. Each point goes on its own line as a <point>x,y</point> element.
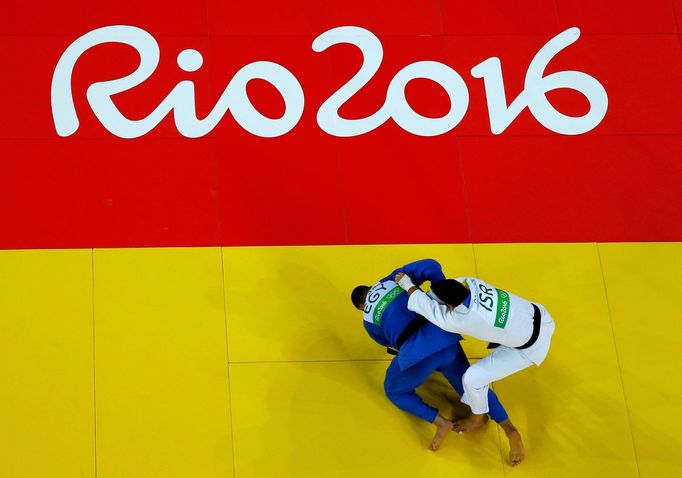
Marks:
<point>227,354</point>
<point>473,252</point>
<point>677,24</point>
<point>309,361</point>
<point>184,34</point>
<point>615,347</point>
<point>94,357</point>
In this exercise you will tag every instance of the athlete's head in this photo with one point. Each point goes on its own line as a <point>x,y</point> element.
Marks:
<point>357,297</point>
<point>450,291</point>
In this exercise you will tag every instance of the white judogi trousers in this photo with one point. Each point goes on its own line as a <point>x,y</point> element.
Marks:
<point>502,362</point>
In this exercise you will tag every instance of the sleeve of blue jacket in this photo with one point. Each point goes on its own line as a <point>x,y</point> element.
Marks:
<point>422,271</point>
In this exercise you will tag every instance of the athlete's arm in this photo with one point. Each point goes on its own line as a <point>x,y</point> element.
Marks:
<point>434,312</point>
<point>422,271</point>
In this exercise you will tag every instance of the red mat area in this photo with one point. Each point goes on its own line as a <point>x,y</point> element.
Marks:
<point>621,181</point>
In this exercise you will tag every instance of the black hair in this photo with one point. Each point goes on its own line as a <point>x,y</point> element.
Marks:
<point>357,297</point>
<point>450,291</point>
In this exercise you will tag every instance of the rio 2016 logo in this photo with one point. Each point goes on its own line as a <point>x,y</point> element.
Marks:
<point>181,99</point>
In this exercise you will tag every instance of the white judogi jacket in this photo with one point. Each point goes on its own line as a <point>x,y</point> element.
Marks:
<point>493,315</point>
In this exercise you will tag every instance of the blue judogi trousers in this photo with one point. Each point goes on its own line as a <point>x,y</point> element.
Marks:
<point>451,361</point>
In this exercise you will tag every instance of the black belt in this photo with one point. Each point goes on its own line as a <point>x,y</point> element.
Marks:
<point>407,332</point>
<point>533,337</point>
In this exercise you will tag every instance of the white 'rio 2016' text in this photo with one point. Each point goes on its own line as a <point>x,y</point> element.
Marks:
<point>181,100</point>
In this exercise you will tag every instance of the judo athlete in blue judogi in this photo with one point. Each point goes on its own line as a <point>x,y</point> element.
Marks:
<point>422,348</point>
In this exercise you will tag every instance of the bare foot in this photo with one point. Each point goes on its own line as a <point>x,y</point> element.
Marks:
<point>471,423</point>
<point>516,450</point>
<point>444,427</point>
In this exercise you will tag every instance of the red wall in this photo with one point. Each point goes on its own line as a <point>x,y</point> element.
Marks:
<point>621,181</point>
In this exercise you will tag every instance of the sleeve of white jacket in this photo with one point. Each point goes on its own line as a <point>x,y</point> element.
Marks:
<point>434,312</point>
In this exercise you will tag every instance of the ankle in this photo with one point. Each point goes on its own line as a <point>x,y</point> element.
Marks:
<point>479,418</point>
<point>509,428</point>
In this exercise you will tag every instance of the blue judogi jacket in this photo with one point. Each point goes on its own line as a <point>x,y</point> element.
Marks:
<point>429,339</point>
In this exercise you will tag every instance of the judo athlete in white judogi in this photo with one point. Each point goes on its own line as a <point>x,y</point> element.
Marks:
<point>519,332</point>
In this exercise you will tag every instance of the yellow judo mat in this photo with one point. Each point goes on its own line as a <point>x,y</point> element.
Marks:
<point>251,362</point>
